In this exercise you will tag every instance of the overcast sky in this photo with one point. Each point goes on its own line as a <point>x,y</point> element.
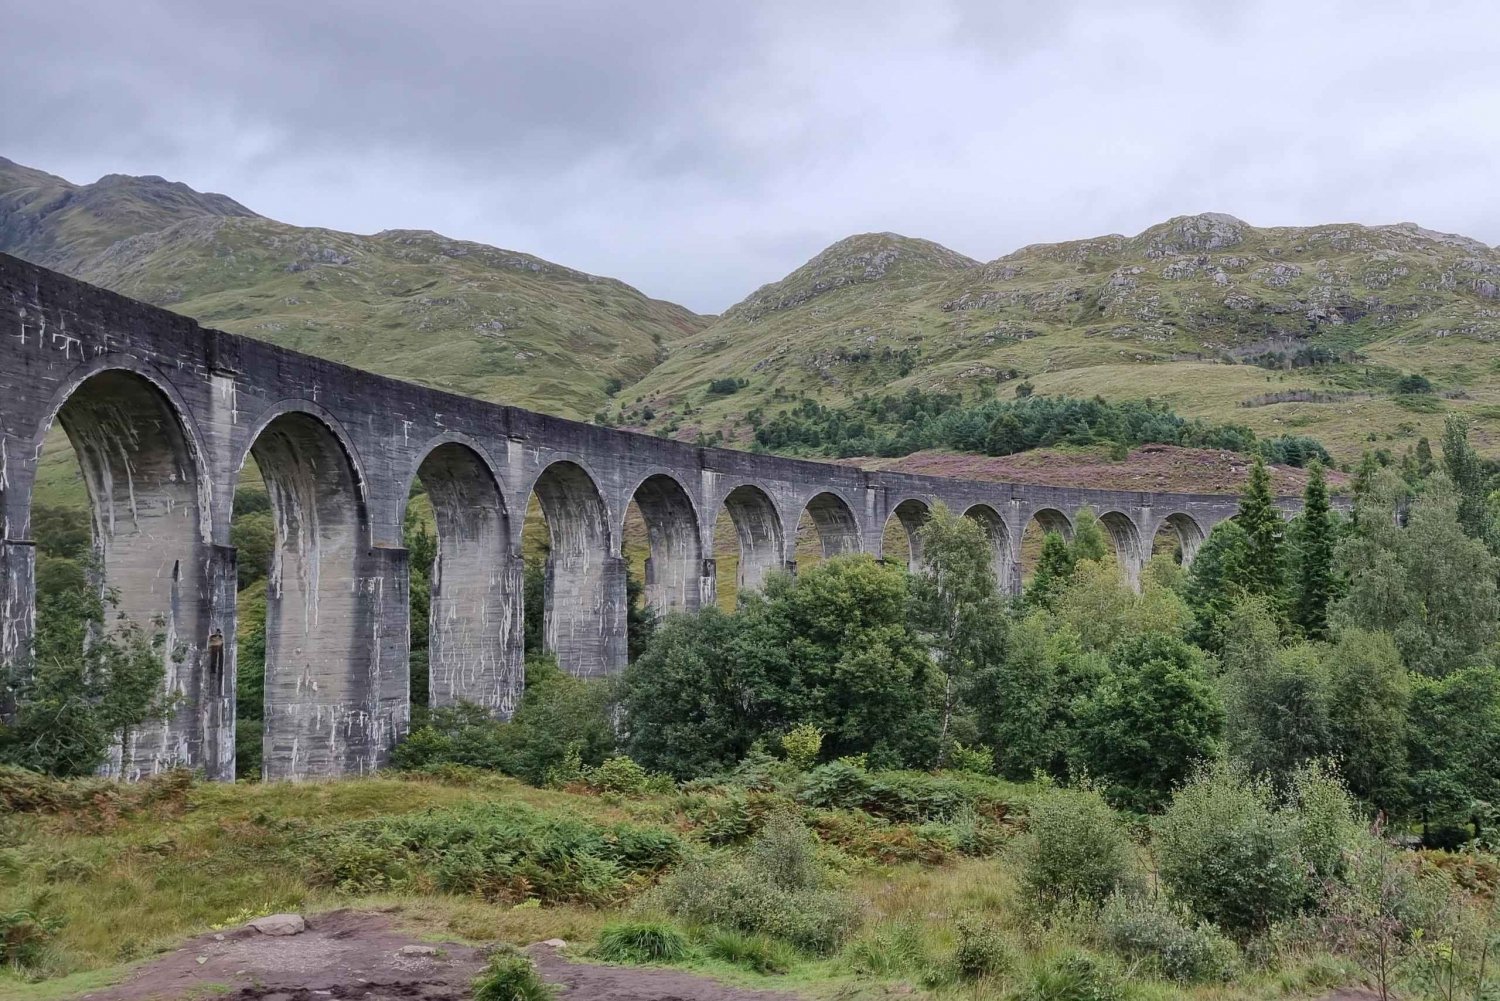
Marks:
<point>697,149</point>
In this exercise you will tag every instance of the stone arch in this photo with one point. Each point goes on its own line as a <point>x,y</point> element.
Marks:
<point>674,569</point>
<point>1050,519</point>
<point>837,528</point>
<point>584,619</point>
<point>1002,559</point>
<point>1126,537</point>
<point>757,525</point>
<point>475,629</point>
<point>912,514</point>
<point>326,694</point>
<point>1190,534</point>
<point>148,501</point>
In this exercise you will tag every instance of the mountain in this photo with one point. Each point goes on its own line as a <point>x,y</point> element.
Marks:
<point>465,317</point>
<point>1306,330</point>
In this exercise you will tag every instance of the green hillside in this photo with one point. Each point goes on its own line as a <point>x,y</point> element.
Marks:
<point>464,317</point>
<point>1304,330</point>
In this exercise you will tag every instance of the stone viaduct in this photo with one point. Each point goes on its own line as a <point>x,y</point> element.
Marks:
<point>163,413</point>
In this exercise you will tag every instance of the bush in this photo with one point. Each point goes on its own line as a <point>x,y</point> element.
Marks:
<point>978,760</point>
<point>499,852</point>
<point>1075,850</point>
<point>621,774</point>
<point>982,949</point>
<point>1146,931</point>
<point>1227,853</point>
<point>1074,976</point>
<point>641,942</point>
<point>510,977</point>
<point>759,953</point>
<point>802,743</point>
<point>24,936</point>
<point>905,797</point>
<point>778,887</point>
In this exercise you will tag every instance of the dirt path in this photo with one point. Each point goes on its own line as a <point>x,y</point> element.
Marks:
<point>364,956</point>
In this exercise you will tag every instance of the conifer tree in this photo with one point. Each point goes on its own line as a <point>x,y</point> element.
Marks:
<point>1467,473</point>
<point>1053,571</point>
<point>1263,535</point>
<point>1314,587</point>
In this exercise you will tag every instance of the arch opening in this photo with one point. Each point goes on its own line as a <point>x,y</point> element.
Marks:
<point>901,539</point>
<point>473,649</point>
<point>331,707</point>
<point>583,582</point>
<point>674,573</point>
<point>827,528</point>
<point>130,526</point>
<point>1130,554</point>
<point>748,543</point>
<point>1042,522</point>
<point>1181,536</point>
<point>1002,560</point>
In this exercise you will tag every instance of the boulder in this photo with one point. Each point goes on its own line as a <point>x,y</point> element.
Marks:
<point>280,924</point>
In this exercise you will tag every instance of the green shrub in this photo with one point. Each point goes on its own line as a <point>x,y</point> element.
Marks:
<point>759,953</point>
<point>464,734</point>
<point>979,759</point>
<point>802,744</point>
<point>1148,932</point>
<point>641,942</point>
<point>982,950</point>
<point>510,977</point>
<point>620,774</point>
<point>776,887</point>
<point>905,797</point>
<point>496,851</point>
<point>1075,850</point>
<point>1229,854</point>
<point>24,936</point>
<point>1074,976</point>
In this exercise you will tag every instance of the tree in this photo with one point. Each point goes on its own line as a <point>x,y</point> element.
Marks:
<point>1315,547</point>
<point>1264,532</point>
<point>1464,468</point>
<point>1367,706</point>
<point>1102,609</point>
<point>1430,584</point>
<point>1276,699</point>
<point>87,685</point>
<point>1454,752</point>
<point>1089,542</point>
<point>956,608</point>
<point>1215,582</point>
<point>1152,718</point>
<point>1053,569</point>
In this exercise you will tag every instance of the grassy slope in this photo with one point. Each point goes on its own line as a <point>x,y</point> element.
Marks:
<point>1156,314</point>
<point>133,885</point>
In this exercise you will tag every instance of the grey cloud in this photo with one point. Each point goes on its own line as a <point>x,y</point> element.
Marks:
<point>698,149</point>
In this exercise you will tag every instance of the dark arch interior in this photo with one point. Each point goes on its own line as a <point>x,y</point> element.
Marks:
<point>833,528</point>
<point>1041,522</point>
<point>901,539</point>
<point>583,584</point>
<point>1126,540</point>
<point>1180,536</point>
<point>674,564</point>
<point>474,623</point>
<point>147,552</point>
<point>760,546</point>
<point>324,692</point>
<point>1001,559</point>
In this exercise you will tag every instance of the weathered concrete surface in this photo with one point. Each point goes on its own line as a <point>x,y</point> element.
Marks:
<point>164,413</point>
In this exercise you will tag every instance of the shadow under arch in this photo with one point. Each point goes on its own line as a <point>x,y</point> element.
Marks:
<point>154,562</point>
<point>475,633</point>
<point>675,578</point>
<point>1002,560</point>
<point>1125,536</point>
<point>335,702</point>
<point>1190,535</point>
<point>584,584</point>
<point>758,534</point>
<point>911,514</point>
<point>833,520</point>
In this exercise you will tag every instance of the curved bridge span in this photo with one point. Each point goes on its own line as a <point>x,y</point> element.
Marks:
<point>163,413</point>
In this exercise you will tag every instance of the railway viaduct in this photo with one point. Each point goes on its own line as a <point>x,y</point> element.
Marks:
<point>163,413</point>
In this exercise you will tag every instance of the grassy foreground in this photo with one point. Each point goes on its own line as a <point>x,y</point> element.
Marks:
<point>127,872</point>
